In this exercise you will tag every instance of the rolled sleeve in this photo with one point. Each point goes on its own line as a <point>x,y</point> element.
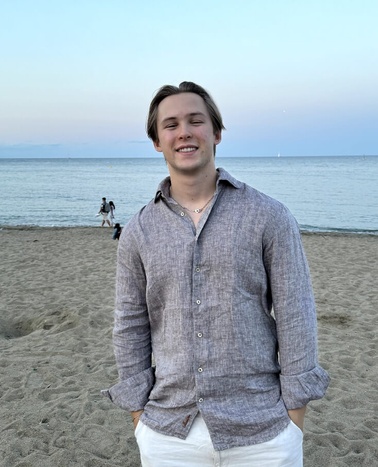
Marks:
<point>299,390</point>
<point>131,394</point>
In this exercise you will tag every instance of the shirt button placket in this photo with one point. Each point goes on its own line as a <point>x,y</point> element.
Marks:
<point>199,334</point>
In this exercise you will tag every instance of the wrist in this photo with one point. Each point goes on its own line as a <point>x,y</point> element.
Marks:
<point>297,416</point>
<point>136,415</point>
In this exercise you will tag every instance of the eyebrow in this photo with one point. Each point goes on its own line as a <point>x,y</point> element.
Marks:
<point>191,114</point>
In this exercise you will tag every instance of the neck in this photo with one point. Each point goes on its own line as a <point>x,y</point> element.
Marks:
<point>193,192</point>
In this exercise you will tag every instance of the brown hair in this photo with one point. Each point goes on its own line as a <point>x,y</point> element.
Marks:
<point>169,90</point>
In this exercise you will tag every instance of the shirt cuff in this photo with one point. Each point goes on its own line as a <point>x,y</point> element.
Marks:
<point>132,393</point>
<point>299,390</point>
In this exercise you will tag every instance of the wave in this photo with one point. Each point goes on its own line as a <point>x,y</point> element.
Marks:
<point>303,228</point>
<point>316,229</point>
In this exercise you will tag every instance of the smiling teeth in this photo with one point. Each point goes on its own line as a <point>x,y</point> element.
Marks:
<point>187,149</point>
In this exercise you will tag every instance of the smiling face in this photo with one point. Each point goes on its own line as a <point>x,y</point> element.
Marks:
<point>185,133</point>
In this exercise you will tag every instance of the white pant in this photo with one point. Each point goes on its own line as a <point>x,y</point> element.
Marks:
<point>157,450</point>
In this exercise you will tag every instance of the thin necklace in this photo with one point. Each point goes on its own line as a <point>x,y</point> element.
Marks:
<point>198,210</point>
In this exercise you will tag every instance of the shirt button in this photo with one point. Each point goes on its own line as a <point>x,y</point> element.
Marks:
<point>198,302</point>
<point>198,269</point>
<point>199,334</point>
<point>200,399</point>
<point>200,370</point>
<point>182,214</point>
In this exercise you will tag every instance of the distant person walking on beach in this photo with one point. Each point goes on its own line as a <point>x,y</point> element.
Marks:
<point>104,211</point>
<point>212,281</point>
<point>112,210</point>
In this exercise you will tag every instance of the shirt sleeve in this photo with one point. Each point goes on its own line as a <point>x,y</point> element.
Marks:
<point>131,333</point>
<point>302,379</point>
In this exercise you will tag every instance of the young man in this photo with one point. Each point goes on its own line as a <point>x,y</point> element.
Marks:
<point>104,211</point>
<point>200,269</point>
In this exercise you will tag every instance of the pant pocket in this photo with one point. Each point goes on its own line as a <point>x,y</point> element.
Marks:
<point>138,429</point>
<point>296,428</point>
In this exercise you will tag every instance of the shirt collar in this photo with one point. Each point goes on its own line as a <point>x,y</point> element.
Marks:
<point>223,178</point>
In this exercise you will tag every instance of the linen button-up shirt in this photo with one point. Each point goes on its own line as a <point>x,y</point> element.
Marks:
<point>218,318</point>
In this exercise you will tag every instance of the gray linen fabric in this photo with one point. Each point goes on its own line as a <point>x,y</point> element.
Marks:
<point>201,299</point>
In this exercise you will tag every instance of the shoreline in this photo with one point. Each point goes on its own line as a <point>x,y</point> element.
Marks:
<point>56,319</point>
<point>331,233</point>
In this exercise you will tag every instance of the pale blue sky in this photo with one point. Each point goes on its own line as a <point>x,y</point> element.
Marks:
<point>290,77</point>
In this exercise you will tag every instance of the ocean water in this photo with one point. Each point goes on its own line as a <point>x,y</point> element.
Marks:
<point>323,193</point>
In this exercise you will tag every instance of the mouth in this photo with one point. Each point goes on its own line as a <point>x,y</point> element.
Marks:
<point>186,149</point>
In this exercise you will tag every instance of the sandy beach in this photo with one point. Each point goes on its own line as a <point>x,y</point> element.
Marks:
<point>56,315</point>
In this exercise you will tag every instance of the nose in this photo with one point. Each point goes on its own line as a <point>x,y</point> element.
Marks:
<point>185,132</point>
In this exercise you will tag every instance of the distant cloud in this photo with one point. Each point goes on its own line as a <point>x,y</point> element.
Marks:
<point>31,150</point>
<point>28,146</point>
<point>140,141</point>
<point>130,148</point>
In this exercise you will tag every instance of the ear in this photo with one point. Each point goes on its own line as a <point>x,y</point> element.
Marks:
<point>217,137</point>
<point>157,146</point>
